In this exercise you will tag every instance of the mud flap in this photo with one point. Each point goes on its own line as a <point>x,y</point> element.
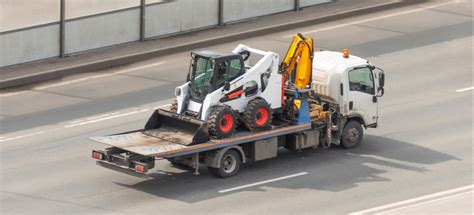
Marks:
<point>173,127</point>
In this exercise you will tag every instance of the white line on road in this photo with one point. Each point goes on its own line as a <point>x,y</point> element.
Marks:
<point>22,136</point>
<point>89,120</point>
<point>417,200</point>
<point>105,118</point>
<point>425,203</point>
<point>84,79</point>
<point>374,18</point>
<point>263,182</point>
<point>94,117</point>
<point>464,89</point>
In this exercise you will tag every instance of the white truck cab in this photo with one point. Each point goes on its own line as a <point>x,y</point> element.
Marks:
<point>351,82</point>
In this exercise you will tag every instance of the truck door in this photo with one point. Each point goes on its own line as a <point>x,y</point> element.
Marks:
<point>361,96</point>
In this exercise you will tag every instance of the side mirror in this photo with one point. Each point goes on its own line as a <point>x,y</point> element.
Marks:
<point>381,80</point>
<point>226,86</point>
<point>381,92</point>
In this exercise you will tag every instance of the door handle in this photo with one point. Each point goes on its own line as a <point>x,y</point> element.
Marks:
<point>351,105</point>
<point>374,99</point>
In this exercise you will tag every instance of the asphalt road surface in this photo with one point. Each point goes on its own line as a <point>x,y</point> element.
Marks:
<point>422,150</point>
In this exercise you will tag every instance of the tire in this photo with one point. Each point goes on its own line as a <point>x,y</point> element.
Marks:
<point>230,164</point>
<point>352,134</point>
<point>258,115</point>
<point>179,163</point>
<point>174,106</point>
<point>222,122</point>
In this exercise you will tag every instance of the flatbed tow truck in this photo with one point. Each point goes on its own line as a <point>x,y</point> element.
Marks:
<point>327,98</point>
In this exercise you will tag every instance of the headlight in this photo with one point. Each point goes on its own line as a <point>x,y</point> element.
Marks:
<point>177,91</point>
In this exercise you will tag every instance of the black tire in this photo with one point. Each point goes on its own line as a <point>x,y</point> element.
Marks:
<point>352,134</point>
<point>174,106</point>
<point>219,120</point>
<point>258,115</point>
<point>179,165</point>
<point>230,164</point>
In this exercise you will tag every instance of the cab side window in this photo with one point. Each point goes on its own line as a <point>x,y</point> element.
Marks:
<point>361,80</point>
<point>234,69</point>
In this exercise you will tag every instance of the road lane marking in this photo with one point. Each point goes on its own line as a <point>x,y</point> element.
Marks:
<point>375,18</point>
<point>417,200</point>
<point>425,202</point>
<point>22,136</point>
<point>464,89</point>
<point>83,79</point>
<point>89,120</point>
<point>105,118</point>
<point>94,117</point>
<point>263,182</point>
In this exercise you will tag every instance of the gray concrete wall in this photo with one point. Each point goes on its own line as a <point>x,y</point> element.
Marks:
<point>235,10</point>
<point>101,31</point>
<point>180,15</point>
<point>29,45</point>
<point>306,3</point>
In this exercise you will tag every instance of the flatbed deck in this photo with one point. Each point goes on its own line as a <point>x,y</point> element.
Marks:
<point>147,143</point>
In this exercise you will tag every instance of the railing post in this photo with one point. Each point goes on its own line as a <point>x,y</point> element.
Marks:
<point>142,19</point>
<point>62,22</point>
<point>221,13</point>
<point>297,5</point>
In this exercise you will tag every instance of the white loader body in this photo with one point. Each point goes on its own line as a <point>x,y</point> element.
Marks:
<point>263,75</point>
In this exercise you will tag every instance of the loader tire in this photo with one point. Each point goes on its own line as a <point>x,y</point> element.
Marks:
<point>258,115</point>
<point>222,122</point>
<point>174,106</point>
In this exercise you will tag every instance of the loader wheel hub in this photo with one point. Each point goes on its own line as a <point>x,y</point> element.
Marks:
<point>226,123</point>
<point>262,116</point>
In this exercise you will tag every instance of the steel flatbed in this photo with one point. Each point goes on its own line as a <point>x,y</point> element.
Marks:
<point>144,143</point>
<point>143,147</point>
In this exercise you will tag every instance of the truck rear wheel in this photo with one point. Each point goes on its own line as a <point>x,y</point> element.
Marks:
<point>352,134</point>
<point>229,165</point>
<point>258,115</point>
<point>222,122</point>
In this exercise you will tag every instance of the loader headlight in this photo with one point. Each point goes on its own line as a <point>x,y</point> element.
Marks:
<point>177,91</point>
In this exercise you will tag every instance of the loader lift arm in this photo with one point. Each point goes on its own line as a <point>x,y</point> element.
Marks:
<point>299,55</point>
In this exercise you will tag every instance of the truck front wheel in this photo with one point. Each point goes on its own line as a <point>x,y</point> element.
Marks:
<point>229,165</point>
<point>352,134</point>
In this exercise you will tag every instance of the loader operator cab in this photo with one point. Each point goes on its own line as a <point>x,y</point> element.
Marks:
<point>211,70</point>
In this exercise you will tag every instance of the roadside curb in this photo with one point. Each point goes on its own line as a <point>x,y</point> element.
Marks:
<point>127,59</point>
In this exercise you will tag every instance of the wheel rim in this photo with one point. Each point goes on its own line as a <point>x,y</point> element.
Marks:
<point>352,135</point>
<point>261,117</point>
<point>229,163</point>
<point>226,122</point>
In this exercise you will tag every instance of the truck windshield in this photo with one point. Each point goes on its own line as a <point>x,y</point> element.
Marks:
<point>203,70</point>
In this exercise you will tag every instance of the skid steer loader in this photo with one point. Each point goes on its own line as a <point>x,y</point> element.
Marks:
<point>222,91</point>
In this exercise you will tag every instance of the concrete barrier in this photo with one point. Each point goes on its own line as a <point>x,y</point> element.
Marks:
<point>106,29</point>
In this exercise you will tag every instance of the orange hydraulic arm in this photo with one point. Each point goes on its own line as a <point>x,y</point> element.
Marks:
<point>300,54</point>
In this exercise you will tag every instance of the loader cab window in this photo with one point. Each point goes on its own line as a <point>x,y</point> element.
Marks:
<point>361,79</point>
<point>228,70</point>
<point>202,73</point>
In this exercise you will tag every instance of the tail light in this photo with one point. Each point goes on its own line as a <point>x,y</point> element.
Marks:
<point>98,155</point>
<point>140,168</point>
